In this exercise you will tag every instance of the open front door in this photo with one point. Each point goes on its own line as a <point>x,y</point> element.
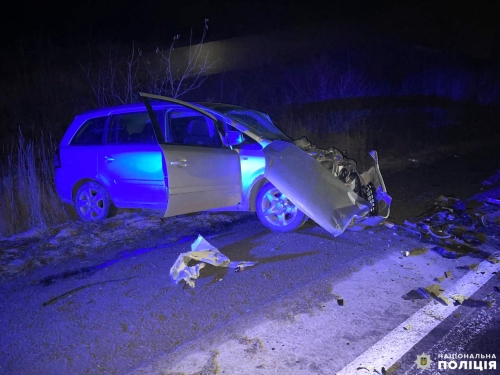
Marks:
<point>201,178</point>
<point>202,173</point>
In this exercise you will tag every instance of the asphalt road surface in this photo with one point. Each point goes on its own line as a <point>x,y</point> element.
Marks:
<point>313,304</point>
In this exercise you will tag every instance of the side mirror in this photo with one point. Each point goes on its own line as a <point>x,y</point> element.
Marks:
<point>235,137</point>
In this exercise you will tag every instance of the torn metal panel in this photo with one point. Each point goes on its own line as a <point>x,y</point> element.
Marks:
<point>368,221</point>
<point>373,176</point>
<point>201,251</point>
<point>369,184</point>
<point>313,188</point>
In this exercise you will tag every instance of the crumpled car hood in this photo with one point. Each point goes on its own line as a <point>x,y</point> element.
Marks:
<point>324,184</point>
<point>316,191</point>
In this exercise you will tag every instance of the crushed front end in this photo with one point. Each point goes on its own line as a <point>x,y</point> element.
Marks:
<point>328,187</point>
<point>369,184</point>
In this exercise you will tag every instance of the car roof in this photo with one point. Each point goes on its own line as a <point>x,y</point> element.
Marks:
<point>223,106</point>
<point>104,111</point>
<point>214,106</point>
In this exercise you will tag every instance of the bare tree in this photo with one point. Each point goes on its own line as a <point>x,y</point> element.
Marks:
<point>116,81</point>
<point>183,71</point>
<point>173,72</point>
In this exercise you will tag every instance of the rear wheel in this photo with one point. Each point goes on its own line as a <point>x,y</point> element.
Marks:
<point>276,212</point>
<point>92,202</point>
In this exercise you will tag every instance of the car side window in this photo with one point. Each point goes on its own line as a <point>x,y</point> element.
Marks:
<point>90,133</point>
<point>246,142</point>
<point>192,128</point>
<point>131,128</point>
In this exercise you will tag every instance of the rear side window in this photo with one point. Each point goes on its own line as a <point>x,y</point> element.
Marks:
<point>90,133</point>
<point>132,128</point>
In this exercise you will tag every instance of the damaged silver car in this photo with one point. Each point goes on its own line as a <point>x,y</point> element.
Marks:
<point>182,157</point>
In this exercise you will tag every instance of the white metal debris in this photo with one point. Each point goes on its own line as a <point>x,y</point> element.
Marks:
<point>204,252</point>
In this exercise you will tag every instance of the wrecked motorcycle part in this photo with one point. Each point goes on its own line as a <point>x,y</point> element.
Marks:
<point>450,225</point>
<point>465,228</point>
<point>439,234</point>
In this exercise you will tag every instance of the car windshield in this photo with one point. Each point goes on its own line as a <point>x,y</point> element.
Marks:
<point>257,122</point>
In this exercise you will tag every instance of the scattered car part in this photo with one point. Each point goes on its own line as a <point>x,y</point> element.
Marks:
<point>419,293</point>
<point>205,253</point>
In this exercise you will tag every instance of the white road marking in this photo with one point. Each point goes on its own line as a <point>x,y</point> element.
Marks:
<point>399,341</point>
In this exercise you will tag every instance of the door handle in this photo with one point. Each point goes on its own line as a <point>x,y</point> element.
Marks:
<point>180,163</point>
<point>108,159</point>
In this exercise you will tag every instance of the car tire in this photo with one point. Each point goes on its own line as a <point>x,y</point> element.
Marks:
<point>92,202</point>
<point>276,212</point>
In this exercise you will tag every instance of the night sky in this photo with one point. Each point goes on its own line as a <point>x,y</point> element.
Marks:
<point>155,19</point>
<point>471,28</point>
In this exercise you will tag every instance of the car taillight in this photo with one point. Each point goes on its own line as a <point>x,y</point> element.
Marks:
<point>57,159</point>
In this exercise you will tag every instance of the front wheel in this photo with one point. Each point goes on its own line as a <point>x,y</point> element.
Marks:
<point>276,212</point>
<point>92,202</point>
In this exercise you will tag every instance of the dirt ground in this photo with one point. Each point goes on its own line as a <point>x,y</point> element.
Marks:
<point>98,298</point>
